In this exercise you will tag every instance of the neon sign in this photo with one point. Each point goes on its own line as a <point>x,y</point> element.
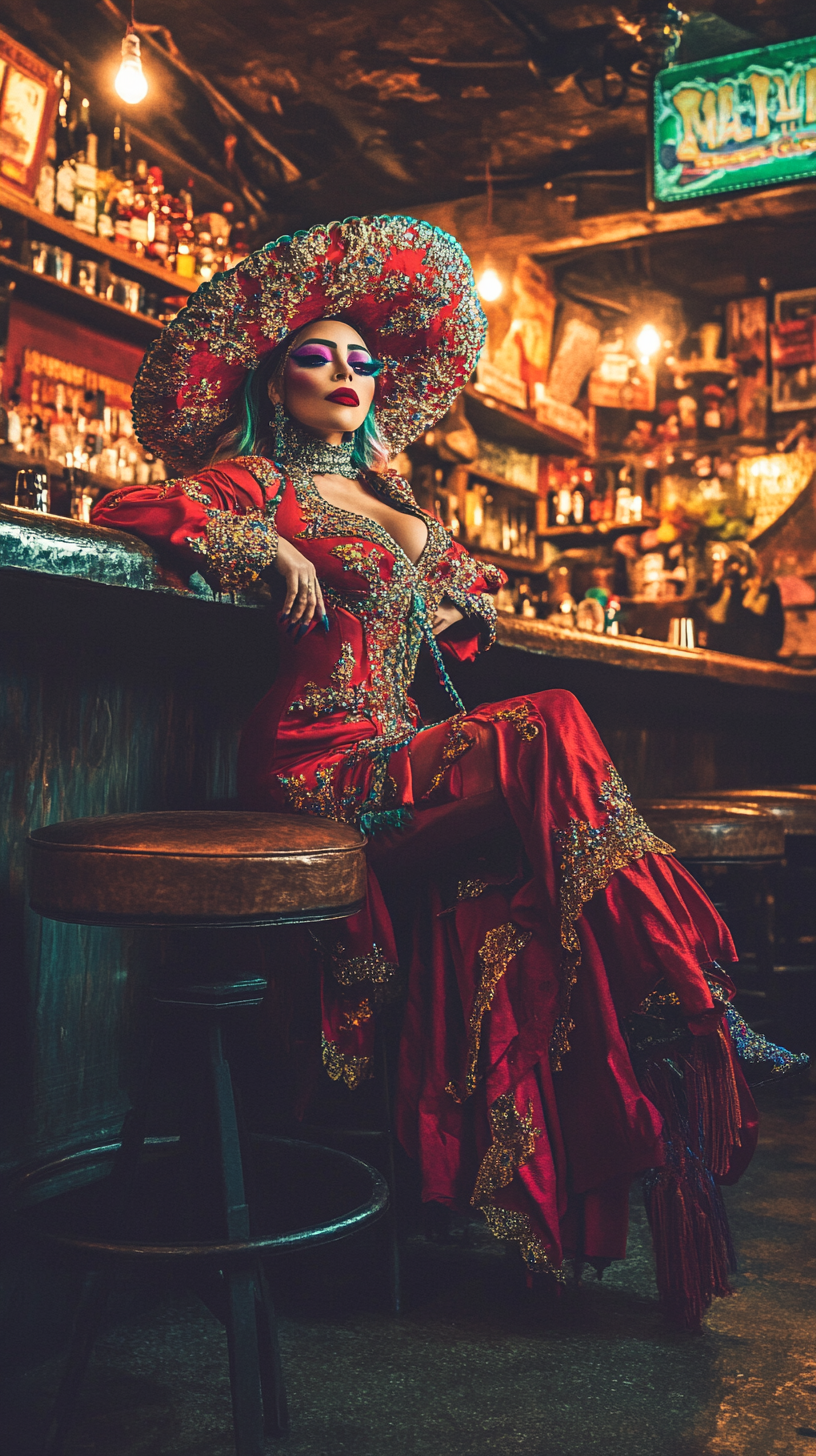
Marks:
<point>746,120</point>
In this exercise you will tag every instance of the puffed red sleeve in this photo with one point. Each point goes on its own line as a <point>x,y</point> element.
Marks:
<point>220,521</point>
<point>471,585</point>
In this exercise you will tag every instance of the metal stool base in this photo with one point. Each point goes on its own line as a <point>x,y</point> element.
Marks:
<point>213,1151</point>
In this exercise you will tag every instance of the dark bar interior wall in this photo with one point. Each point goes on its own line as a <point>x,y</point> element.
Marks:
<point>111,701</point>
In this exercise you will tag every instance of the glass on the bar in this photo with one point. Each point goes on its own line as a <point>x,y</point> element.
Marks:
<point>31,490</point>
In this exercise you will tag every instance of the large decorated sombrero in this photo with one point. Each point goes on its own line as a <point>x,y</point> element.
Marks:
<point>406,286</point>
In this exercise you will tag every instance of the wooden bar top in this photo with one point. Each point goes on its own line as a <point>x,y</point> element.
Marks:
<point>641,654</point>
<point>56,546</point>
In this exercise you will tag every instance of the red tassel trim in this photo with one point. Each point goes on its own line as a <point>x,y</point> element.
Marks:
<point>696,1094</point>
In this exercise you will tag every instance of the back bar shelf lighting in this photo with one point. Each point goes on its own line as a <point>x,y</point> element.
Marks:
<point>735,122</point>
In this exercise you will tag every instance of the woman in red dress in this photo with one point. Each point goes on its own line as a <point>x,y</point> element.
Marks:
<point>568,1021</point>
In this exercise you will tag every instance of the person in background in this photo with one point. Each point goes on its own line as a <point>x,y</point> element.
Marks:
<point>743,611</point>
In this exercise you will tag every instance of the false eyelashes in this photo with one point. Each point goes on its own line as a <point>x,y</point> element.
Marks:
<point>315,359</point>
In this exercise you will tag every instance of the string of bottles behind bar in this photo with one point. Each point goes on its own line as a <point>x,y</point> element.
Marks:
<point>95,181</point>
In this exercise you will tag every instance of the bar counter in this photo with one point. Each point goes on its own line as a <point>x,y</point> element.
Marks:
<point>124,688</point>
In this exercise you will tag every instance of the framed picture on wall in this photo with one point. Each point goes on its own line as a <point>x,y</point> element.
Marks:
<point>28,100</point>
<point>793,350</point>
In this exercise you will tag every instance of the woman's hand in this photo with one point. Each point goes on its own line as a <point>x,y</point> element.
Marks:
<point>303,601</point>
<point>445,616</point>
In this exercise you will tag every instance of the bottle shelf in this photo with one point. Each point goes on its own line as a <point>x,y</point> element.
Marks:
<point>521,491</point>
<point>89,245</point>
<point>507,560</point>
<point>602,530</point>
<point>509,426</point>
<point>12,460</point>
<point>75,303</point>
<point>533,566</point>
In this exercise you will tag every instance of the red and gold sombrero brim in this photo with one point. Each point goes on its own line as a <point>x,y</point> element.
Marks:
<point>406,286</point>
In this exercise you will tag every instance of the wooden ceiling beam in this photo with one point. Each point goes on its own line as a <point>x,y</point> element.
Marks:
<point>537,222</point>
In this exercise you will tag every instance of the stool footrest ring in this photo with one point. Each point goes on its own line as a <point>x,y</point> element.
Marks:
<point>51,1180</point>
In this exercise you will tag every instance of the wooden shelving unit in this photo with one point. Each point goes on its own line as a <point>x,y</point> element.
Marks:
<point>12,460</point>
<point>87,245</point>
<point>507,560</point>
<point>496,481</point>
<point>585,535</point>
<point>23,223</point>
<point>509,426</point>
<point>75,303</point>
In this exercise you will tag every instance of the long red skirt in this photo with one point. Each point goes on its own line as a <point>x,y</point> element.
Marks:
<point>543,914</point>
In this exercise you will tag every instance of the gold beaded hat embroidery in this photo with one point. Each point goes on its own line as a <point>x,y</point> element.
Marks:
<point>406,286</point>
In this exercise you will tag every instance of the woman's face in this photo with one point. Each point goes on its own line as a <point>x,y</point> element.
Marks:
<point>328,380</point>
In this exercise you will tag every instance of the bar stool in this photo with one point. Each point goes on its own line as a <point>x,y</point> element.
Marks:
<point>197,870</point>
<point>736,852</point>
<point>794,970</point>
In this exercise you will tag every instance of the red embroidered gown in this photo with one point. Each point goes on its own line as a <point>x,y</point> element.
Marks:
<point>545,913</point>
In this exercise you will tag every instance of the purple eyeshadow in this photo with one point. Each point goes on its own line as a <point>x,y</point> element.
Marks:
<point>316,352</point>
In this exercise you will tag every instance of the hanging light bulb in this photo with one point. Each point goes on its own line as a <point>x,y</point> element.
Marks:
<point>647,342</point>
<point>489,285</point>
<point>130,81</point>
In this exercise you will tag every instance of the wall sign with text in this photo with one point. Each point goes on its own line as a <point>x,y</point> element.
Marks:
<point>746,120</point>
<point>28,100</point>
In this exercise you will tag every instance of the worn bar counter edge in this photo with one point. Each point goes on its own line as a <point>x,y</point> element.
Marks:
<point>56,546</point>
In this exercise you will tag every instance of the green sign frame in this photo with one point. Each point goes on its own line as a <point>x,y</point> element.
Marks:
<point>735,122</point>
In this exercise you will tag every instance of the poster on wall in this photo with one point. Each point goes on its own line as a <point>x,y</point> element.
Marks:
<point>28,99</point>
<point>746,324</point>
<point>793,350</point>
<point>735,122</point>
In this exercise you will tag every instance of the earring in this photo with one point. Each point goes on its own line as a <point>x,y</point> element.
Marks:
<point>278,423</point>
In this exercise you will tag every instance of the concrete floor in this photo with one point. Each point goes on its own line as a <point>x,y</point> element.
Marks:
<point>477,1367</point>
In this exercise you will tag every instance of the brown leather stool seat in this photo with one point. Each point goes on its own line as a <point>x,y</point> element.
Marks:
<point>736,852</point>
<point>210,867</point>
<point>795,809</point>
<point>710,829</point>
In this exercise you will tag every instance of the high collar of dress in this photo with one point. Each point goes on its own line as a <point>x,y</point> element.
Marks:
<point>299,447</point>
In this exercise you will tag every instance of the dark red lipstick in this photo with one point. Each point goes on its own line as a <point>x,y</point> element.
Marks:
<point>343,396</point>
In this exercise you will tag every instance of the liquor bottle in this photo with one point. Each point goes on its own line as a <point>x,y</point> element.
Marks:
<point>205,256</point>
<point>62,133</point>
<point>562,506</point>
<point>142,217</point>
<point>238,247</point>
<point>186,199</point>
<point>65,181</point>
<point>121,149</point>
<point>65,189</point>
<point>150,231</point>
<point>86,201</point>
<point>222,226</point>
<point>81,129</point>
<point>14,433</point>
<point>185,252</point>
<point>107,187</point>
<point>116,161</point>
<point>163,243</point>
<point>123,212</point>
<point>579,504</point>
<point>46,187</point>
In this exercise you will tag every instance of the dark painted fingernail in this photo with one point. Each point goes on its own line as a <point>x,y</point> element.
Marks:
<point>302,630</point>
<point>326,623</point>
<point>291,628</point>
